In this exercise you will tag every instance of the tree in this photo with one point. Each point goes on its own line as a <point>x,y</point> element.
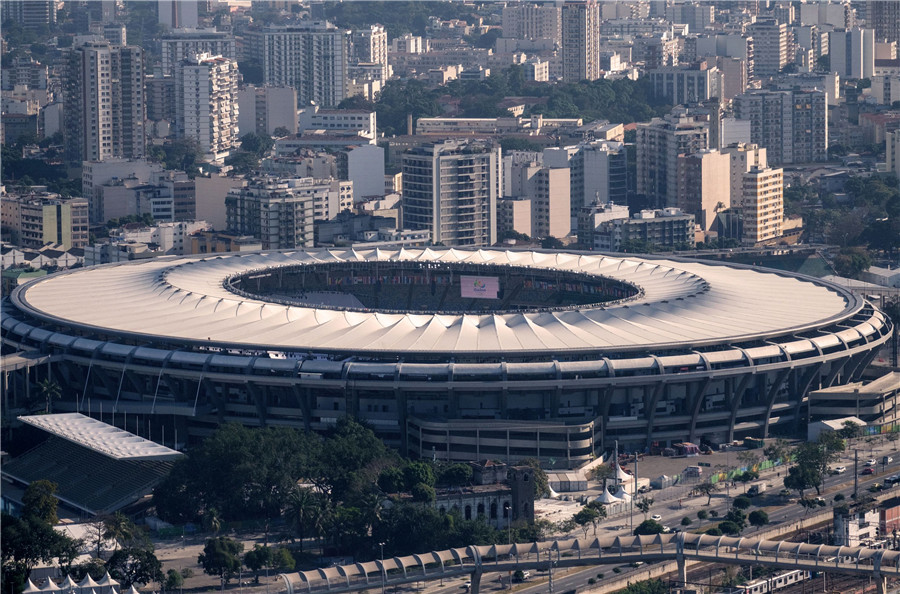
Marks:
<point>423,493</point>
<point>454,475</point>
<point>780,449</point>
<point>851,261</point>
<point>737,517</point>
<point>283,560</point>
<point>306,512</point>
<point>602,472</point>
<point>281,132</point>
<point>174,580</point>
<point>654,586</point>
<point>39,501</point>
<point>742,502</point>
<point>644,504</point>
<point>729,528</point>
<point>746,477</point>
<point>648,527</point>
<point>706,489</point>
<point>415,473</point>
<point>135,566</point>
<point>686,521</point>
<point>758,518</point>
<point>258,558</point>
<point>257,144</point>
<point>221,556</point>
<point>586,517</point>
<point>702,515</point>
<point>120,529</point>
<point>812,461</point>
<point>49,391</point>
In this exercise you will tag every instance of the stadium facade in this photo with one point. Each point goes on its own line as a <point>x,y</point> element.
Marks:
<point>447,353</point>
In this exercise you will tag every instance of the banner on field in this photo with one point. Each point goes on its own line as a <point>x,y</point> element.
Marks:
<point>479,287</point>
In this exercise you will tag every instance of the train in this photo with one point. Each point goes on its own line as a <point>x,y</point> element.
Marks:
<point>772,583</point>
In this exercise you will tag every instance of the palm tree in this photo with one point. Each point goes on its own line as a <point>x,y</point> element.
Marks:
<point>119,528</point>
<point>49,390</point>
<point>212,521</point>
<point>306,512</point>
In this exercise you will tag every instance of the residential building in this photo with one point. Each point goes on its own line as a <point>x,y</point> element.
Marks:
<point>885,88</point>
<point>704,185</point>
<point>791,125</point>
<point>369,46</point>
<point>533,22</point>
<point>206,107</point>
<point>514,216</point>
<point>599,172</point>
<point>856,528</point>
<point>160,94</point>
<point>547,190</point>
<point>180,44</point>
<point>264,109</point>
<point>763,205</point>
<point>852,53</point>
<point>580,40</point>
<point>884,17</point>
<point>344,121</point>
<point>451,188</point>
<point>892,151</point>
<point>104,108</point>
<point>35,220</point>
<point>660,228</point>
<point>743,157</point>
<point>95,174</point>
<point>212,242</point>
<point>35,15</point>
<point>169,238</point>
<point>277,211</point>
<point>312,57</point>
<point>659,143</point>
<point>772,46</point>
<point>681,85</point>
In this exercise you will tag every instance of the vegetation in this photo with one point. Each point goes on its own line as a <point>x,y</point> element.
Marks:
<point>655,586</point>
<point>614,100</point>
<point>648,527</point>
<point>221,557</point>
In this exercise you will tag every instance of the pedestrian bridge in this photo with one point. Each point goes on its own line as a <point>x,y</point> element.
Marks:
<point>681,547</point>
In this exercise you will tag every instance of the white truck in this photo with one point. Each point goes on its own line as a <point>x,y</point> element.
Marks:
<point>756,489</point>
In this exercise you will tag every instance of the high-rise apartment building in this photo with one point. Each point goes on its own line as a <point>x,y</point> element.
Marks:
<point>599,172</point>
<point>104,104</point>
<point>451,188</point>
<point>276,211</point>
<point>370,46</point>
<point>772,46</point>
<point>659,143</point>
<point>852,53</point>
<point>180,44</point>
<point>791,125</point>
<point>580,40</point>
<point>704,186</point>
<point>884,17</point>
<point>763,205</point>
<point>686,84</point>
<point>743,157</point>
<point>527,20</point>
<point>206,103</point>
<point>313,58</point>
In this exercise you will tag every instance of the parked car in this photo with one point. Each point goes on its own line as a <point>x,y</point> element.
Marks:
<point>656,517</point>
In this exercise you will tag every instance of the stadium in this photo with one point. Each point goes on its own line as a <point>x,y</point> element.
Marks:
<point>446,353</point>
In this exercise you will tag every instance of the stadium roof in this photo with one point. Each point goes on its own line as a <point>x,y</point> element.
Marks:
<point>683,304</point>
<point>100,437</point>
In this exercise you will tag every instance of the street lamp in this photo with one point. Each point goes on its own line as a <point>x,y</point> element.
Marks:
<point>506,508</point>
<point>383,576</point>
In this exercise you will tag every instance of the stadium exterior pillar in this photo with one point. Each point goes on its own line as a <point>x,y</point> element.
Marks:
<point>682,569</point>
<point>880,584</point>
<point>476,581</point>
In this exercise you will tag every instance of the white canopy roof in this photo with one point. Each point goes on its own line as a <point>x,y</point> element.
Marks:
<point>68,583</point>
<point>97,435</point>
<point>87,582</point>
<point>30,588</point>
<point>185,298</point>
<point>622,494</point>
<point>49,586</point>
<point>107,581</point>
<point>606,497</point>
<point>622,476</point>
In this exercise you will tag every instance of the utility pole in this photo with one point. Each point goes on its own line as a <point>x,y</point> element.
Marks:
<point>855,473</point>
<point>550,569</point>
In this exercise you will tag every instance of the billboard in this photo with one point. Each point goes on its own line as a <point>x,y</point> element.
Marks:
<point>479,287</point>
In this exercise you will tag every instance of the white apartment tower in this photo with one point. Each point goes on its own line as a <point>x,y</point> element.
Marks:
<point>370,46</point>
<point>180,44</point>
<point>526,20</point>
<point>451,188</point>
<point>206,106</point>
<point>763,205</point>
<point>580,40</point>
<point>791,125</point>
<point>312,57</point>
<point>852,53</point>
<point>772,46</point>
<point>104,104</point>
